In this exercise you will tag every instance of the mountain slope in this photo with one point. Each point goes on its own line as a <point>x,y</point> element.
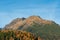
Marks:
<point>48,30</point>
<point>45,31</point>
<point>24,23</point>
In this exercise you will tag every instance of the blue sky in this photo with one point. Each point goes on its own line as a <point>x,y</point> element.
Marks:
<point>11,9</point>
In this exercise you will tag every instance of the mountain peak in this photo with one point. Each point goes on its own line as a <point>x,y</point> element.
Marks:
<point>26,22</point>
<point>35,17</point>
<point>38,19</point>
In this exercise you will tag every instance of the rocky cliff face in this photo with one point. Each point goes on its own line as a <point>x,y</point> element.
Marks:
<point>23,23</point>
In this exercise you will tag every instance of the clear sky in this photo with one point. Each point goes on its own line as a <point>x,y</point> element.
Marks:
<point>11,9</point>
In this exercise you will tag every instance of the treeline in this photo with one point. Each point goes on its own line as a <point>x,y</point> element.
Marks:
<point>17,35</point>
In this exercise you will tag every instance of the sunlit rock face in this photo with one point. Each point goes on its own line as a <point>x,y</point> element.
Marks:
<point>23,23</point>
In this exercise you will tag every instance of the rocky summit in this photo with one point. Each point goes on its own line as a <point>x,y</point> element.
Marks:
<point>23,23</point>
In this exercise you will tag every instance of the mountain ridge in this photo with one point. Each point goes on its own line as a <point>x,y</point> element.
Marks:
<point>26,22</point>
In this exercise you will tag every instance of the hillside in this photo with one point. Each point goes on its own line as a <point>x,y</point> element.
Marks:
<point>50,32</point>
<point>47,30</point>
<point>23,23</point>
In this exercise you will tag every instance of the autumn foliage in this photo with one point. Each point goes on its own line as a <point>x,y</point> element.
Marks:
<point>17,35</point>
